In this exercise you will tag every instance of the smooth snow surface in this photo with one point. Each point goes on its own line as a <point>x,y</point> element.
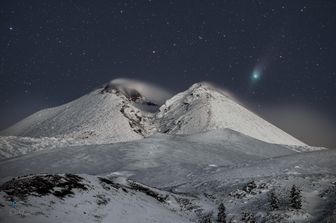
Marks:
<point>219,147</point>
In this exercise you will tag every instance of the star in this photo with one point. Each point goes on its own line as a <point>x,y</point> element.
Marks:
<point>11,28</point>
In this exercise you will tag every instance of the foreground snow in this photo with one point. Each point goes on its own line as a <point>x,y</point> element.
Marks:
<point>99,202</point>
<point>184,176</point>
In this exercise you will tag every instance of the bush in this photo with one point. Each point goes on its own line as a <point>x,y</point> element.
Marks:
<point>248,217</point>
<point>205,217</point>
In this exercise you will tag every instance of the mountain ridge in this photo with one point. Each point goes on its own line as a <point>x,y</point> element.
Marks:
<point>115,114</point>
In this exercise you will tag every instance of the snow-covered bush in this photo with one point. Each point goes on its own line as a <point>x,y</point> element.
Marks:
<point>249,187</point>
<point>205,217</point>
<point>248,217</point>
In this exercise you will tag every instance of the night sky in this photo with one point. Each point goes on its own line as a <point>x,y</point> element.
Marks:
<point>277,57</point>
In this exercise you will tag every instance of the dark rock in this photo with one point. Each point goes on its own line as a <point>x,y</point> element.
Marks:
<point>41,185</point>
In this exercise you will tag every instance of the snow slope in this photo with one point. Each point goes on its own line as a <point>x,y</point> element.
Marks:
<point>205,168</point>
<point>202,108</point>
<point>11,146</point>
<point>104,115</point>
<point>218,147</point>
<point>101,203</point>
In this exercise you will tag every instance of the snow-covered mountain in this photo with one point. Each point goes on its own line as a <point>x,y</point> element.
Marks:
<point>118,155</point>
<point>117,113</point>
<point>107,114</point>
<point>203,107</point>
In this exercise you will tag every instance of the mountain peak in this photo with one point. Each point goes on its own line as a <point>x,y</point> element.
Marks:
<point>203,86</point>
<point>130,93</point>
<point>206,88</point>
<point>205,107</point>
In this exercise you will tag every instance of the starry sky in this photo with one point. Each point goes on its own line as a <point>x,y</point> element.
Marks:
<point>277,57</point>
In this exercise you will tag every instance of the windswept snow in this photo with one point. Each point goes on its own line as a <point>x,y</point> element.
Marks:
<point>203,108</point>
<point>101,117</point>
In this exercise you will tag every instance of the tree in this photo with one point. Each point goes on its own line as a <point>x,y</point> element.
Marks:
<point>274,201</point>
<point>295,197</point>
<point>221,217</point>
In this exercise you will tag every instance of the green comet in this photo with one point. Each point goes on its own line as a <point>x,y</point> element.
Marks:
<point>255,76</point>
